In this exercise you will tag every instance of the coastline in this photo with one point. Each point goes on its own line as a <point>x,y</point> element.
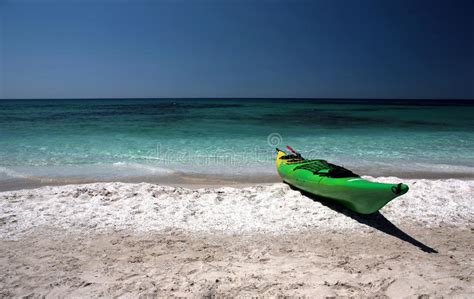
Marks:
<point>200,180</point>
<point>175,180</point>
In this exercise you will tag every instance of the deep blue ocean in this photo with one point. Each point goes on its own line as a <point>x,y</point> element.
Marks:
<point>126,138</point>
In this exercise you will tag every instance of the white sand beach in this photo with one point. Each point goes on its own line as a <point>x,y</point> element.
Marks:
<point>124,239</point>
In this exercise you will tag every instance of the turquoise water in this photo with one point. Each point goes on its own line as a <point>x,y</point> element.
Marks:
<point>126,138</point>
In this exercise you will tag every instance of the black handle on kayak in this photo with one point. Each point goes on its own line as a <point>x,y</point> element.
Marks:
<point>293,151</point>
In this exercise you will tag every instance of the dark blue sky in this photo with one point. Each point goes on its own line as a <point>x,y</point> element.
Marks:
<point>342,49</point>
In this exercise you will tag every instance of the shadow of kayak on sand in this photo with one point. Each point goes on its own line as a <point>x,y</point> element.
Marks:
<point>375,220</point>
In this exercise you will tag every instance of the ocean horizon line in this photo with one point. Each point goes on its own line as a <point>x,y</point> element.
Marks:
<point>457,100</point>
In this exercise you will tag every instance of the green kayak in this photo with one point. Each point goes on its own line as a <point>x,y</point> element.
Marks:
<point>336,183</point>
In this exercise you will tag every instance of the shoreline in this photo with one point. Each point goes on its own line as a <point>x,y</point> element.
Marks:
<point>173,180</point>
<point>201,180</point>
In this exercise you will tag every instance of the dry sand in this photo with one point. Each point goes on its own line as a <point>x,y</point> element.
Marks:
<point>306,264</point>
<point>115,239</point>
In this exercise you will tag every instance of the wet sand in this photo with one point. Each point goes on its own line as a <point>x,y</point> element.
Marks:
<point>176,180</point>
<point>196,180</point>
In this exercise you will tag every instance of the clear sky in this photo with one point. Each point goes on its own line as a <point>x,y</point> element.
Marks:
<point>237,48</point>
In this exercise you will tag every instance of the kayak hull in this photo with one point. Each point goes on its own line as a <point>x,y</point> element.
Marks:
<point>355,193</point>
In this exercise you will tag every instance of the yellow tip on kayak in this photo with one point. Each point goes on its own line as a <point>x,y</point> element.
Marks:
<point>327,180</point>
